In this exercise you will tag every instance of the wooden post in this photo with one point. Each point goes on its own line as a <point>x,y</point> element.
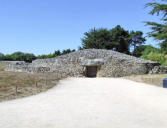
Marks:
<point>46,81</point>
<point>36,84</point>
<point>16,90</point>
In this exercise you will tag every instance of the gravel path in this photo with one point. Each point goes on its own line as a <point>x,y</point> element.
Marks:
<point>89,103</point>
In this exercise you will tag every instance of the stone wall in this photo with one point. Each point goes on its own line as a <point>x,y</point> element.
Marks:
<point>119,68</point>
<point>110,63</point>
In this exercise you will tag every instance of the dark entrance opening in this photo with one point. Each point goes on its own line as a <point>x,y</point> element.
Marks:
<point>91,71</point>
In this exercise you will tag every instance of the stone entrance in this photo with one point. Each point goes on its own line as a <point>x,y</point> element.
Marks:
<point>92,66</point>
<point>91,71</point>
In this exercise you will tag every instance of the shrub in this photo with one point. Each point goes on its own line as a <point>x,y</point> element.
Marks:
<point>154,54</point>
<point>158,57</point>
<point>149,49</point>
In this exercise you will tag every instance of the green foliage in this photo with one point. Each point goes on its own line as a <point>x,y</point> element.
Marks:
<point>80,48</point>
<point>2,56</point>
<point>149,49</point>
<point>55,54</point>
<point>163,46</point>
<point>158,8</point>
<point>29,57</point>
<point>20,56</point>
<point>159,57</point>
<point>159,30</point>
<point>121,39</point>
<point>67,51</point>
<point>137,39</point>
<point>8,57</point>
<point>139,50</point>
<point>96,38</point>
<point>117,39</point>
<point>154,54</point>
<point>43,56</point>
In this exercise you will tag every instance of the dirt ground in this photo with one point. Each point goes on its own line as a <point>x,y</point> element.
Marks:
<point>16,84</point>
<point>154,79</point>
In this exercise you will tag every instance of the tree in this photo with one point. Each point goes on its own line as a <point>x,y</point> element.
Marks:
<point>137,39</point>
<point>8,57</point>
<point>80,48</point>
<point>67,51</point>
<point>139,50</point>
<point>43,56</point>
<point>57,53</point>
<point>18,56</point>
<point>116,39</point>
<point>121,39</point>
<point>96,38</point>
<point>29,57</point>
<point>2,56</point>
<point>159,30</point>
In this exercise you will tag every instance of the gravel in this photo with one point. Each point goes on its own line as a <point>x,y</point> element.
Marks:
<point>89,103</point>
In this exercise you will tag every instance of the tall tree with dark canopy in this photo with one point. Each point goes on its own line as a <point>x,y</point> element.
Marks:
<point>97,38</point>
<point>57,53</point>
<point>137,39</point>
<point>159,30</point>
<point>120,39</point>
<point>139,50</point>
<point>116,39</point>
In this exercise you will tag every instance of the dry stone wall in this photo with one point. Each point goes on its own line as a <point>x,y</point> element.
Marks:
<point>110,64</point>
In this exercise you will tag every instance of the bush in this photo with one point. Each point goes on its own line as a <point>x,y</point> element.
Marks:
<point>154,54</point>
<point>158,57</point>
<point>164,63</point>
<point>149,49</point>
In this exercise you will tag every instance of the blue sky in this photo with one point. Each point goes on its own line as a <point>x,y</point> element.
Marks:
<point>43,26</point>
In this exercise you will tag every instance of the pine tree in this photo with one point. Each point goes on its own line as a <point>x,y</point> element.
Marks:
<point>159,30</point>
